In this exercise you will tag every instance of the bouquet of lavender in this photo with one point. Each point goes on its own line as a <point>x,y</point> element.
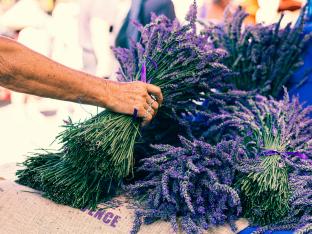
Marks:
<point>98,153</point>
<point>263,57</point>
<point>200,123</point>
<point>277,138</point>
<point>192,183</point>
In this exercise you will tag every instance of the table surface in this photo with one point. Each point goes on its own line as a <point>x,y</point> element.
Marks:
<point>33,201</point>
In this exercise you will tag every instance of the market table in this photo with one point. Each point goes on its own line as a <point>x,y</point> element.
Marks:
<point>23,210</point>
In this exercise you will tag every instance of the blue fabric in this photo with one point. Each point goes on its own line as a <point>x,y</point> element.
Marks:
<point>249,230</point>
<point>305,90</point>
<point>132,32</point>
<point>141,12</point>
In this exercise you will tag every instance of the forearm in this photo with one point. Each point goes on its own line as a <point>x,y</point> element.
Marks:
<point>23,70</point>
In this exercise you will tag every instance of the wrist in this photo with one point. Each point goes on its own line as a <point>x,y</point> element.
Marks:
<point>91,90</point>
<point>103,96</point>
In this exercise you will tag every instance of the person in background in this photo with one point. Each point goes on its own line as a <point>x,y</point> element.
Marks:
<point>24,70</point>
<point>215,9</point>
<point>95,18</point>
<point>65,46</point>
<point>47,5</point>
<point>251,7</point>
<point>103,24</point>
<point>289,5</point>
<point>140,11</point>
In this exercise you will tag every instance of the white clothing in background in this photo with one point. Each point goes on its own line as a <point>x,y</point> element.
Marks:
<point>268,13</point>
<point>99,24</point>
<point>64,28</point>
<point>181,7</point>
<point>25,13</point>
<point>37,39</point>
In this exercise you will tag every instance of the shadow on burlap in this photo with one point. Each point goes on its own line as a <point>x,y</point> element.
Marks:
<point>24,211</point>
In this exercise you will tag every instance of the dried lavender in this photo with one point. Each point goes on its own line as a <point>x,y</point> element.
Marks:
<point>207,120</point>
<point>263,57</point>
<point>30,175</point>
<point>63,182</point>
<point>191,183</point>
<point>98,153</point>
<point>299,217</point>
<point>277,137</point>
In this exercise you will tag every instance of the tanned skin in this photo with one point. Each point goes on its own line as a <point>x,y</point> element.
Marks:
<point>26,71</point>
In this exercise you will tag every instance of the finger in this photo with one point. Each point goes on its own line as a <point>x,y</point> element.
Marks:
<point>145,110</point>
<point>151,102</point>
<point>149,109</point>
<point>141,112</point>
<point>147,119</point>
<point>156,91</point>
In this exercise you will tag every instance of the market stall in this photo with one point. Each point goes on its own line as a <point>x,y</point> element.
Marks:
<point>228,148</point>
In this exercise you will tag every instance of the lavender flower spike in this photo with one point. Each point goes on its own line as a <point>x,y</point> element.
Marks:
<point>143,73</point>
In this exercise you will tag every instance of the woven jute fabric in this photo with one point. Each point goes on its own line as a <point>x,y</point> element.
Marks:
<point>25,211</point>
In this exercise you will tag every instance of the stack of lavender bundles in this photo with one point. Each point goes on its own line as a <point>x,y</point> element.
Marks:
<point>191,183</point>
<point>263,57</point>
<point>241,149</point>
<point>263,165</point>
<point>274,183</point>
<point>98,154</point>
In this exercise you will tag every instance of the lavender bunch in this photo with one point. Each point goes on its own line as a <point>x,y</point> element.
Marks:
<point>98,153</point>
<point>191,183</point>
<point>193,72</point>
<point>263,57</point>
<point>67,183</point>
<point>277,137</point>
<point>176,59</point>
<point>29,175</point>
<point>203,123</point>
<point>299,216</point>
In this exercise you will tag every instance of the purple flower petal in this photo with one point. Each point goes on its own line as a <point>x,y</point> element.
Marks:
<point>143,73</point>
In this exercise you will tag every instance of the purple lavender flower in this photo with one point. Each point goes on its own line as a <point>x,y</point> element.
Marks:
<point>191,180</point>
<point>96,153</point>
<point>276,156</point>
<point>259,54</point>
<point>143,73</point>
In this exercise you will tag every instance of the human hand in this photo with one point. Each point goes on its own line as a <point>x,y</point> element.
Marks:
<point>126,97</point>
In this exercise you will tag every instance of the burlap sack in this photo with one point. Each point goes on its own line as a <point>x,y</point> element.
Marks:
<point>23,210</point>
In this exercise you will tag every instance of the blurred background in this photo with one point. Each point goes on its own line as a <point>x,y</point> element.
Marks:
<point>79,34</point>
